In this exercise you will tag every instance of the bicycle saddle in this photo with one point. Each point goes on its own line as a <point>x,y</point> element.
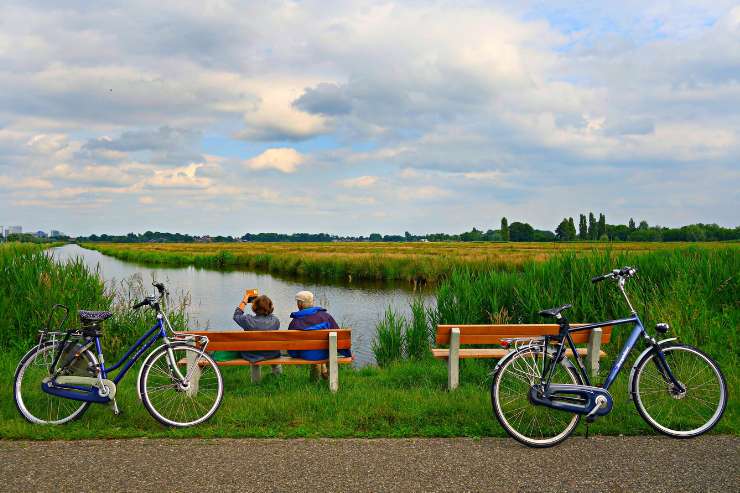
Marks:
<point>91,316</point>
<point>554,312</point>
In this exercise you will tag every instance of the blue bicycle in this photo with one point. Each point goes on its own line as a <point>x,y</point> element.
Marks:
<point>58,379</point>
<point>539,395</point>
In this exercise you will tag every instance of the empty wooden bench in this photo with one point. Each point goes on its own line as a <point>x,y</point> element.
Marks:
<point>492,335</point>
<point>274,340</point>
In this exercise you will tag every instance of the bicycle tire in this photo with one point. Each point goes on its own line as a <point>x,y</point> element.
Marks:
<point>640,394</point>
<point>22,404</point>
<point>156,409</point>
<point>498,406</point>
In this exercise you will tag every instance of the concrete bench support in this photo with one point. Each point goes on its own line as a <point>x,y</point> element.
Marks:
<point>594,348</point>
<point>192,369</point>
<point>256,373</point>
<point>453,361</point>
<point>333,365</point>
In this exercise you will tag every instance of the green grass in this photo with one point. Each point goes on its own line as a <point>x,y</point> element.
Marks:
<point>696,290</point>
<point>402,400</point>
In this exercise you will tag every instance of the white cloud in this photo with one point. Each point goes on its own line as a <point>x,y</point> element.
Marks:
<point>283,159</point>
<point>185,177</point>
<point>359,182</point>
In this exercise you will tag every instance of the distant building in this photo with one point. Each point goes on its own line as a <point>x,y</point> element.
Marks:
<point>14,230</point>
<point>55,234</point>
<point>40,234</point>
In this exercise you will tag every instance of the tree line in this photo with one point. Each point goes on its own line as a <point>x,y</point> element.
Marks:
<point>590,228</point>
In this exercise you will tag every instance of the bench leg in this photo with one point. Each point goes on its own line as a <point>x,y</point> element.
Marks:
<point>333,365</point>
<point>453,360</point>
<point>593,350</point>
<point>256,373</point>
<point>192,369</point>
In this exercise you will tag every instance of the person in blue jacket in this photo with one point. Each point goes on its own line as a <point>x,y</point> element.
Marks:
<point>310,317</point>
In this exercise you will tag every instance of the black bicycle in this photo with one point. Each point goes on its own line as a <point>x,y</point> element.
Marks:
<point>539,395</point>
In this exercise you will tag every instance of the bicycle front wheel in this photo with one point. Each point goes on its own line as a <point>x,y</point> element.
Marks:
<point>34,404</point>
<point>680,414</point>
<point>176,401</point>
<point>531,424</point>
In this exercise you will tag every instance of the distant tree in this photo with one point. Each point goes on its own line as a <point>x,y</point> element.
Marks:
<point>408,236</point>
<point>492,235</point>
<point>601,227</point>
<point>631,225</point>
<point>474,235</point>
<point>505,235</point>
<point>643,225</point>
<point>375,237</point>
<point>521,232</point>
<point>542,235</point>
<point>582,227</point>
<point>566,230</point>
<point>591,226</point>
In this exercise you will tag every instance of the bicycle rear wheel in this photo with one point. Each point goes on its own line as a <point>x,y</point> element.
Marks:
<point>530,424</point>
<point>176,402</point>
<point>680,414</point>
<point>34,404</point>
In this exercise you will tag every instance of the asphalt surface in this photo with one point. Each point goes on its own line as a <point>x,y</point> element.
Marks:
<point>652,464</point>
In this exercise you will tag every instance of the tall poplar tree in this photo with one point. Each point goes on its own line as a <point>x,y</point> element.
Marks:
<point>582,227</point>
<point>601,230</point>
<point>591,226</point>
<point>504,229</point>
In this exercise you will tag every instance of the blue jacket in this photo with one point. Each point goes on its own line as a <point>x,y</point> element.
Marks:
<point>314,318</point>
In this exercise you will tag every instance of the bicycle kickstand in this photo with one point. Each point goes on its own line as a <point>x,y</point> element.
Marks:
<point>114,407</point>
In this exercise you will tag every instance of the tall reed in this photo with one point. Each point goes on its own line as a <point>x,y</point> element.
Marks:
<point>388,343</point>
<point>695,290</point>
<point>31,282</point>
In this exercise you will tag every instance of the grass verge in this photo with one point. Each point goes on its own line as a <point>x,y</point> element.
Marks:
<point>402,400</point>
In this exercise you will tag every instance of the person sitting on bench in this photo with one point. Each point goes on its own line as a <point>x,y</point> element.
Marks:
<point>309,317</point>
<point>263,319</point>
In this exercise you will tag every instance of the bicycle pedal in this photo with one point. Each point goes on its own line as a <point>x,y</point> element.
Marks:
<point>114,407</point>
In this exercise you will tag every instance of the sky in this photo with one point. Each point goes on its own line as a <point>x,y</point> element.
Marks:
<point>353,117</point>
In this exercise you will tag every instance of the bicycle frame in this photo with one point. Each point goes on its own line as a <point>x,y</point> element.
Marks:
<point>638,332</point>
<point>133,354</point>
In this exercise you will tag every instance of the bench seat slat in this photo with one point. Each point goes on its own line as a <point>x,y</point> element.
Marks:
<point>494,353</point>
<point>273,345</point>
<point>272,340</point>
<point>493,334</point>
<point>283,360</point>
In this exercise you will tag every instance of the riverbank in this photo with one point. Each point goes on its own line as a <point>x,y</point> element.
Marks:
<point>410,262</point>
<point>695,290</point>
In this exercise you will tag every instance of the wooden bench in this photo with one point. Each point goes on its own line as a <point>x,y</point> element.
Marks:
<point>274,340</point>
<point>456,335</point>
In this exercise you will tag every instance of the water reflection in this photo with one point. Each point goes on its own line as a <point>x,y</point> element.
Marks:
<point>214,294</point>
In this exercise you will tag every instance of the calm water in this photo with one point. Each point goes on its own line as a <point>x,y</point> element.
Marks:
<point>214,294</point>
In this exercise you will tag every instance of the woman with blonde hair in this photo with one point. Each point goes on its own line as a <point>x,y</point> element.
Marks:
<point>263,319</point>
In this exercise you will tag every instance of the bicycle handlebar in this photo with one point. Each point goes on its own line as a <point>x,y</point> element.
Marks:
<point>140,304</point>
<point>624,272</point>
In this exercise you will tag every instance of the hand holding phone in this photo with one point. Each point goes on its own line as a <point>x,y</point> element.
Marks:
<point>250,295</point>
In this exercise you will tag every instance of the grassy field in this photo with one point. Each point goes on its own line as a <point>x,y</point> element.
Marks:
<point>694,289</point>
<point>413,262</point>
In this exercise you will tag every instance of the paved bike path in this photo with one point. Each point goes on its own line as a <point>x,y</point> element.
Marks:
<point>652,464</point>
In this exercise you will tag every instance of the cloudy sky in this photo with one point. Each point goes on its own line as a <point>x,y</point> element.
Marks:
<point>358,116</point>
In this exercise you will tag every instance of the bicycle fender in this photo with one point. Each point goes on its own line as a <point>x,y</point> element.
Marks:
<point>511,354</point>
<point>638,360</point>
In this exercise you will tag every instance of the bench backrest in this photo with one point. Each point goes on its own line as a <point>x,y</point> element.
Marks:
<point>271,340</point>
<point>492,334</point>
